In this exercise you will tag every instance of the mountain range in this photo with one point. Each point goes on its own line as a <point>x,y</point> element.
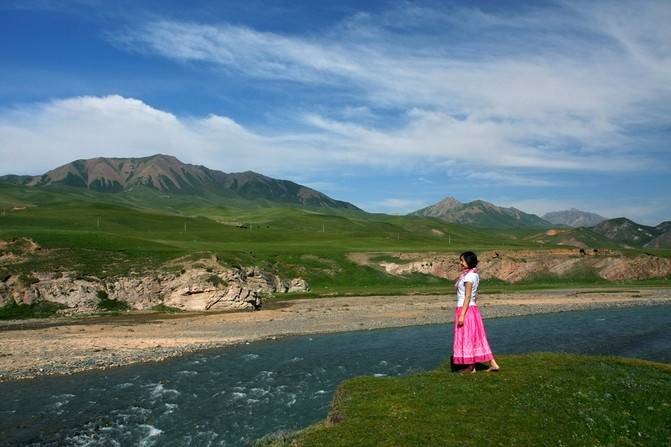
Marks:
<point>163,182</point>
<point>166,173</point>
<point>571,227</point>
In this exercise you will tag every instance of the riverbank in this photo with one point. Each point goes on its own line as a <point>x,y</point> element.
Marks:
<point>63,346</point>
<point>541,399</point>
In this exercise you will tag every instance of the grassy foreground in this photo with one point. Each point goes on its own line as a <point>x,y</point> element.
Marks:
<point>536,400</point>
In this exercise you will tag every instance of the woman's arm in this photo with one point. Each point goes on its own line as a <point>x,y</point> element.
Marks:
<point>468,286</point>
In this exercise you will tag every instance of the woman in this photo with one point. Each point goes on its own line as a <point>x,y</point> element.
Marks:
<point>470,339</point>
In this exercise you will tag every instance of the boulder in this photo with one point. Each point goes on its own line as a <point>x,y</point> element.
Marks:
<point>77,293</point>
<point>298,285</point>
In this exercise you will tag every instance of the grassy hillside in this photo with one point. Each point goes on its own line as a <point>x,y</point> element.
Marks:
<point>538,399</point>
<point>627,232</point>
<point>104,234</point>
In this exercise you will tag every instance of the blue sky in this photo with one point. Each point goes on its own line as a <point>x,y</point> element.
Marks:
<point>390,105</point>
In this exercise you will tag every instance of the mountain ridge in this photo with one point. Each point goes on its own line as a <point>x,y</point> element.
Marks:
<point>165,173</point>
<point>480,213</point>
<point>574,218</point>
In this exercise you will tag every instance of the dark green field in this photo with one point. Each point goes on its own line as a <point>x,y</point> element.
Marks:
<point>536,400</point>
<point>104,234</point>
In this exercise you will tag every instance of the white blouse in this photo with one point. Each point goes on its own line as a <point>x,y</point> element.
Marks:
<point>473,278</point>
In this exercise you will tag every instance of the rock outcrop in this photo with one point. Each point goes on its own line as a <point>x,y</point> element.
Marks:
<point>206,287</point>
<point>639,267</point>
<point>517,266</point>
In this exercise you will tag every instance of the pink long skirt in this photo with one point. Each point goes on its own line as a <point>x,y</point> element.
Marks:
<point>470,340</point>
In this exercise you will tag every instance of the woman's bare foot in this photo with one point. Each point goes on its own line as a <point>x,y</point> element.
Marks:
<point>493,366</point>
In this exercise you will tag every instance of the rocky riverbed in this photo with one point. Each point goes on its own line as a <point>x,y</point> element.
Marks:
<point>31,348</point>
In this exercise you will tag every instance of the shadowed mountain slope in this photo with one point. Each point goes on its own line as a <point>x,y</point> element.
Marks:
<point>630,233</point>
<point>481,214</point>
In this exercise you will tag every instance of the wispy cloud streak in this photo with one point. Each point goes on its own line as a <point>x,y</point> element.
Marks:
<point>570,87</point>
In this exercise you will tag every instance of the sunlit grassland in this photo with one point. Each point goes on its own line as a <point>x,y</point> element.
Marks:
<point>98,234</point>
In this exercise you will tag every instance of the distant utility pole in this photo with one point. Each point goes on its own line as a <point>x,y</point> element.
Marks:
<point>250,228</point>
<point>323,228</point>
<point>449,239</point>
<point>98,223</point>
<point>185,226</point>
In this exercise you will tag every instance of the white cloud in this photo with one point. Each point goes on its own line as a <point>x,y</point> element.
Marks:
<point>434,137</point>
<point>40,137</point>
<point>561,88</point>
<point>239,48</point>
<point>506,178</point>
<point>395,205</point>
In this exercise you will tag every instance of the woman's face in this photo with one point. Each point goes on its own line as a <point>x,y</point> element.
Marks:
<point>463,263</point>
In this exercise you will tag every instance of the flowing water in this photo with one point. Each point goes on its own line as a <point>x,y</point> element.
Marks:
<point>231,396</point>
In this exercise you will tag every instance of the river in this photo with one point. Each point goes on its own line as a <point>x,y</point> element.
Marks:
<point>232,395</point>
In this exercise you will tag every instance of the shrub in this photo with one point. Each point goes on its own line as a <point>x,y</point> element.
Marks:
<point>27,279</point>
<point>166,309</point>
<point>216,280</point>
<point>107,304</point>
<point>42,309</point>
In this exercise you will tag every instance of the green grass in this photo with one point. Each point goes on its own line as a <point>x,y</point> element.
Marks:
<point>110,305</point>
<point>166,309</point>
<point>104,235</point>
<point>42,309</point>
<point>536,400</point>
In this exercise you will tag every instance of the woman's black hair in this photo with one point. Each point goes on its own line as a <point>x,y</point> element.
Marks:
<point>470,258</point>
